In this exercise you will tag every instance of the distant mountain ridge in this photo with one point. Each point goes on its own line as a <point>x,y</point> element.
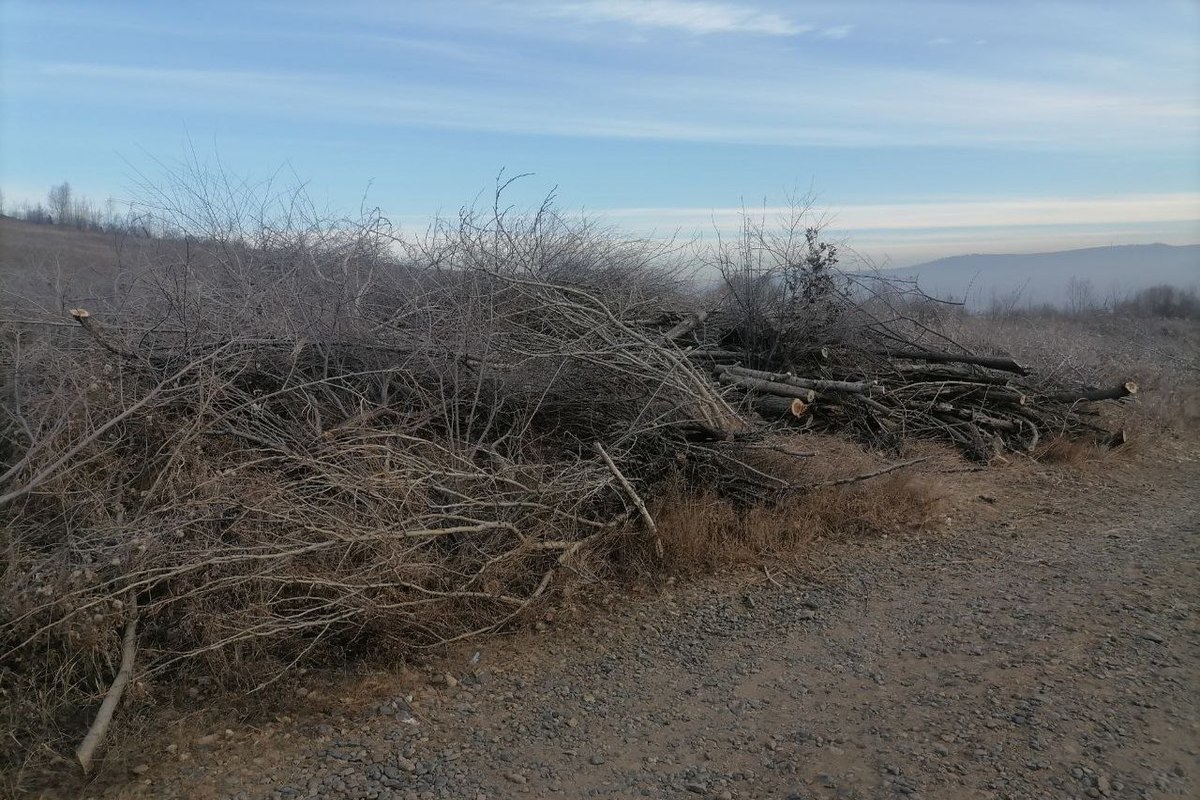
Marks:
<point>1057,277</point>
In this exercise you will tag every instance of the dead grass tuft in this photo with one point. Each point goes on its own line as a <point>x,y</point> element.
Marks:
<point>703,532</point>
<point>1075,453</point>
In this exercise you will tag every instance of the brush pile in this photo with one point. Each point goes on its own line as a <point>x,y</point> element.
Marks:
<point>291,447</point>
<point>883,390</point>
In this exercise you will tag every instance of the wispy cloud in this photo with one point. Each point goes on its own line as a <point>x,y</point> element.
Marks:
<point>837,32</point>
<point>858,107</point>
<point>691,16</point>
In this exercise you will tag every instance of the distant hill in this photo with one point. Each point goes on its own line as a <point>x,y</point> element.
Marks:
<point>1059,277</point>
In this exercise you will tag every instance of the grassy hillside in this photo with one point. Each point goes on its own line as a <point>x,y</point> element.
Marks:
<point>47,267</point>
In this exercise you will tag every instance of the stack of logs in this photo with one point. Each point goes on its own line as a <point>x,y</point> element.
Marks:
<point>983,405</point>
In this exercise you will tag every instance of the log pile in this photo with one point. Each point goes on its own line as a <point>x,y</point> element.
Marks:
<point>984,405</point>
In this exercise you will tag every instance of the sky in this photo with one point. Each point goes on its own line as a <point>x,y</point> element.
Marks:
<point>922,129</point>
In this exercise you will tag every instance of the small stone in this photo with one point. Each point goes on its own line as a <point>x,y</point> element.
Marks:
<point>516,777</point>
<point>696,788</point>
<point>1153,636</point>
<point>204,741</point>
<point>140,769</point>
<point>596,760</point>
<point>806,613</point>
<point>450,680</point>
<point>406,764</point>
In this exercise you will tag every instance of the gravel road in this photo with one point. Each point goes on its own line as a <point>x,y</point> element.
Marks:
<point>1043,645</point>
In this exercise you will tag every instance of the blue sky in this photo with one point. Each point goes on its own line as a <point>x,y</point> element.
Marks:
<point>925,129</point>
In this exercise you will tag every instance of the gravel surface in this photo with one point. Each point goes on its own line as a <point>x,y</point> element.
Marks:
<point>1042,646</point>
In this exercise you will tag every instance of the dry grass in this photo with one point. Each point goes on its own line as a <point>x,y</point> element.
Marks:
<point>1071,452</point>
<point>703,533</point>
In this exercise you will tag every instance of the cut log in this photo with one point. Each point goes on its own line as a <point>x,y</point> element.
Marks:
<point>771,407</point>
<point>686,325</point>
<point>991,362</point>
<point>853,387</point>
<point>1089,395</point>
<point>768,387</point>
<point>84,318</point>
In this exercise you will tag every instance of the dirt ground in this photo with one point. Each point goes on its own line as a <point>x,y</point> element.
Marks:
<point>1043,643</point>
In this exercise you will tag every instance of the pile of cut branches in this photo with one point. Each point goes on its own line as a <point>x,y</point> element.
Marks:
<point>293,446</point>
<point>799,341</point>
<point>983,405</point>
<point>253,469</point>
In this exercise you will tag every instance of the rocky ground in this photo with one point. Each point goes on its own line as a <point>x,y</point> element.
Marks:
<point>1043,644</point>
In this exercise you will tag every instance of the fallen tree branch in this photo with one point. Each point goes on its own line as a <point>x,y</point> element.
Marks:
<point>868,475</point>
<point>852,387</point>
<point>768,387</point>
<point>96,733</point>
<point>84,318</point>
<point>1089,395</point>
<point>991,362</point>
<point>633,497</point>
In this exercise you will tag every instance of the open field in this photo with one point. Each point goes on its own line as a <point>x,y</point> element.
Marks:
<point>256,454</point>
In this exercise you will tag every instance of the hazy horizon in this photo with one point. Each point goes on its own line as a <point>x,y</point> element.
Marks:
<point>923,129</point>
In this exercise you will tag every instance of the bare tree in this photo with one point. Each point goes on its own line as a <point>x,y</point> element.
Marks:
<point>59,200</point>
